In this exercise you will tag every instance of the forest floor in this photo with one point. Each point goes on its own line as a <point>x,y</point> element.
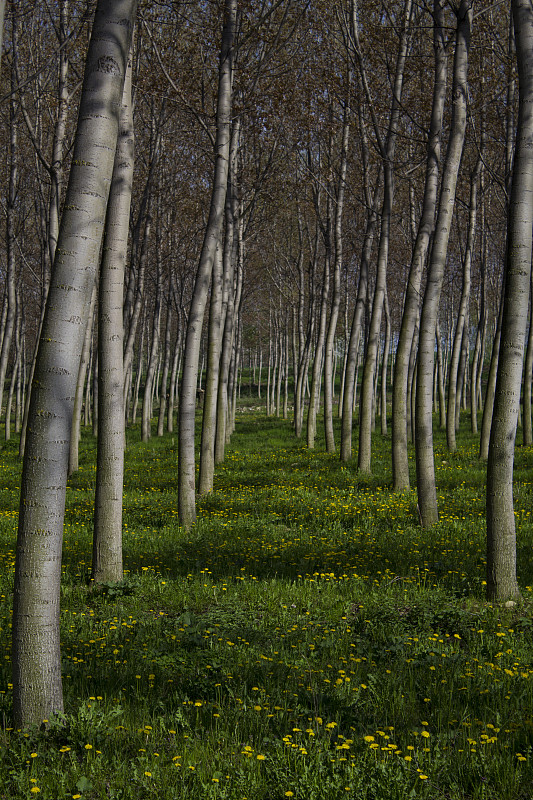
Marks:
<point>305,639</point>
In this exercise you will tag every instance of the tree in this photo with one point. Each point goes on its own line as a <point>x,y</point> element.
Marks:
<point>387,152</point>
<point>400,464</point>
<point>37,688</point>
<point>501,534</point>
<point>107,537</point>
<point>425,466</point>
<point>186,459</point>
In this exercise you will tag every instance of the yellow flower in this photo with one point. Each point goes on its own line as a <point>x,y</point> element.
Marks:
<point>423,777</point>
<point>289,794</point>
<point>88,747</point>
<point>331,725</point>
<point>261,758</point>
<point>148,774</point>
<point>368,738</point>
<point>33,755</point>
<point>425,734</point>
<point>35,790</point>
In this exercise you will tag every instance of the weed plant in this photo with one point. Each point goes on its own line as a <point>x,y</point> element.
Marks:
<point>305,639</point>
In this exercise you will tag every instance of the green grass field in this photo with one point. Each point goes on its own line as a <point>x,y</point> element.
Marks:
<point>305,639</point>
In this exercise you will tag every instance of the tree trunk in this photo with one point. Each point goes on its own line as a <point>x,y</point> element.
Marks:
<point>384,365</point>
<point>84,374</point>
<point>314,400</point>
<point>15,373</point>
<point>11,296</point>
<point>163,403</point>
<point>488,405</point>
<point>425,466</point>
<point>228,307</point>
<point>37,689</point>
<point>462,314</point>
<point>501,535</point>
<point>528,375</point>
<point>107,533</point>
<point>186,458</point>
<point>400,391</point>
<point>352,361</point>
<point>146,423</point>
<point>335,302</point>
<point>207,450</point>
<point>477,357</point>
<point>388,154</point>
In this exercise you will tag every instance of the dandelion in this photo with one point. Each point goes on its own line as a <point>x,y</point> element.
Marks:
<point>260,757</point>
<point>423,777</point>
<point>368,738</point>
<point>35,790</point>
<point>425,734</point>
<point>289,794</point>
<point>88,747</point>
<point>148,774</point>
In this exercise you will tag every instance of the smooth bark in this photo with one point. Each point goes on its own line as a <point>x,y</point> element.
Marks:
<point>107,533</point>
<point>37,688</point>
<point>186,456</point>
<point>401,408</point>
<point>501,534</point>
<point>425,466</point>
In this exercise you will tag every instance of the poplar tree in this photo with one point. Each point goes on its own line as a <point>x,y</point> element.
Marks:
<point>37,687</point>
<point>501,533</point>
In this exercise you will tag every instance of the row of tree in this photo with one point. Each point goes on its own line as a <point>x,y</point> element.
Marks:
<point>326,194</point>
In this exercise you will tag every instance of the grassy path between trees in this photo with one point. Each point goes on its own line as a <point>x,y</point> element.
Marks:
<point>306,639</point>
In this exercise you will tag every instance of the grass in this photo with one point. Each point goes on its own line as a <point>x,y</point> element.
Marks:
<point>306,639</point>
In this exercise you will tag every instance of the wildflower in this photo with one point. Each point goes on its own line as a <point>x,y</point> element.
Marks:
<point>423,777</point>
<point>88,747</point>
<point>260,757</point>
<point>35,790</point>
<point>368,738</point>
<point>425,734</point>
<point>148,774</point>
<point>289,794</point>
